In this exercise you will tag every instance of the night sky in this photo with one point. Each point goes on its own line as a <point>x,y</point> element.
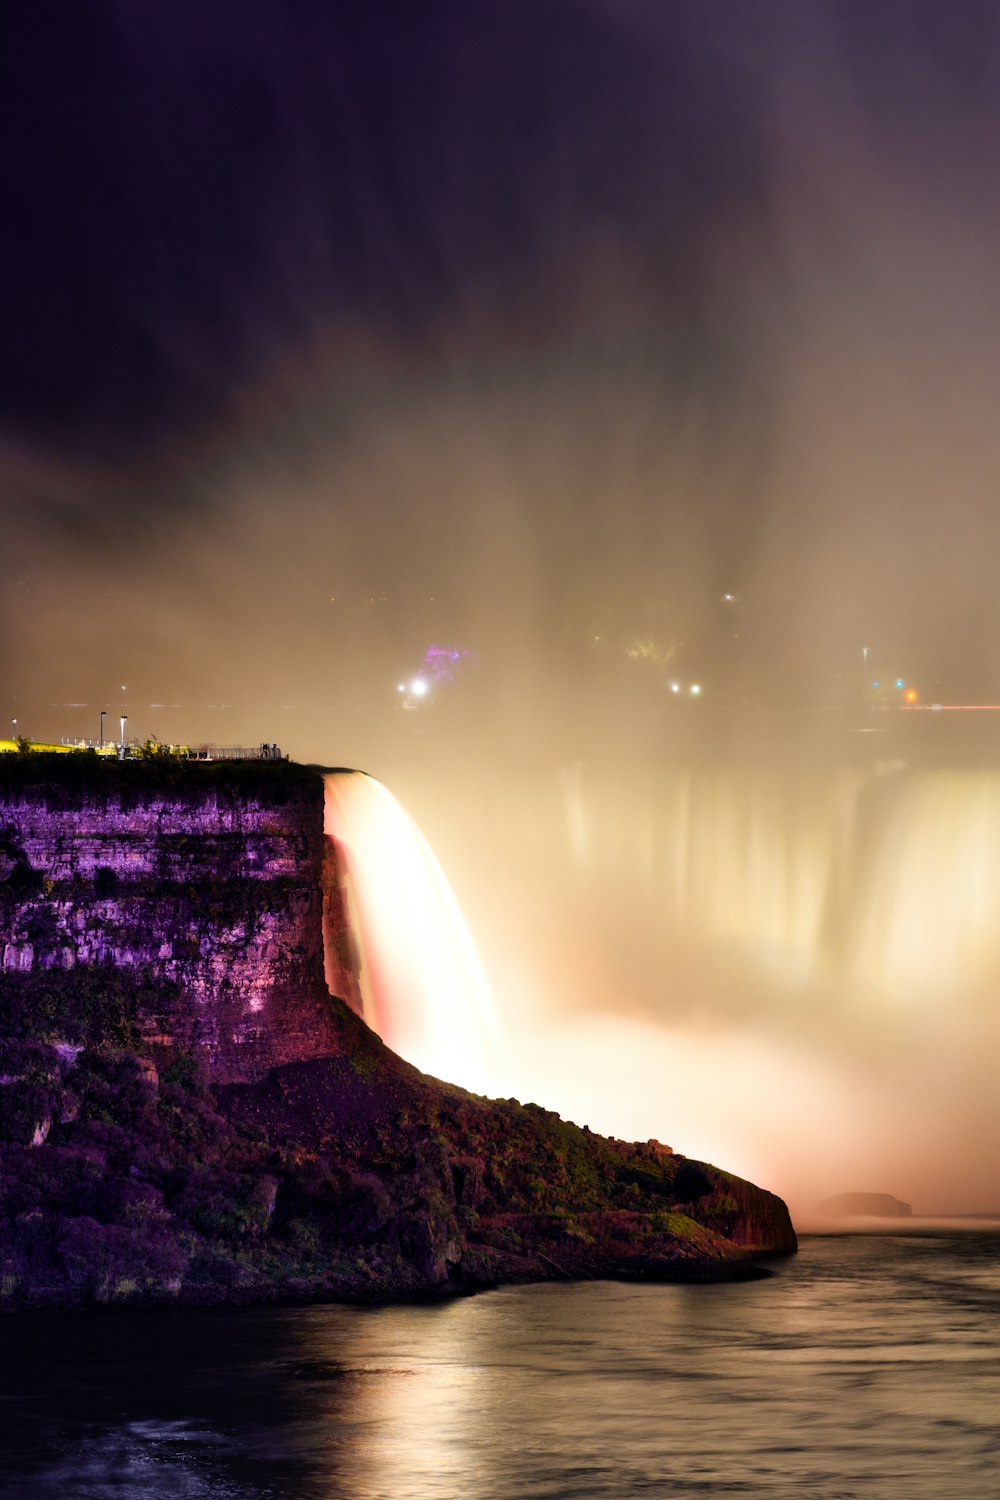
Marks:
<point>331,331</point>
<point>606,343</point>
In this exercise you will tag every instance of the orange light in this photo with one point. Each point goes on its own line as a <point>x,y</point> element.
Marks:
<point>911,695</point>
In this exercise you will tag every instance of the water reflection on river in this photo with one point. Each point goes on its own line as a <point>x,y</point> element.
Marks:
<point>868,1367</point>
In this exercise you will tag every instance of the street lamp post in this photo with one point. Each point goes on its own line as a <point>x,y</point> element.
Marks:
<point>104,714</point>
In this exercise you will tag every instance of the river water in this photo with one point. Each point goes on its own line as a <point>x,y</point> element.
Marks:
<point>868,1366</point>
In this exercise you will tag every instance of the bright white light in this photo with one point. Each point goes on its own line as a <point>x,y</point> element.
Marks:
<point>419,687</point>
<point>695,689</point>
<point>675,687</point>
<point>402,687</point>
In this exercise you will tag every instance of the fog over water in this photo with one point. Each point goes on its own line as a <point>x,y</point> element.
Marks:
<point>614,346</point>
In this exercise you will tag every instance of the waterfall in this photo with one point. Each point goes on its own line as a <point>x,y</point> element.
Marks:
<point>880,883</point>
<point>793,970</point>
<point>413,971</point>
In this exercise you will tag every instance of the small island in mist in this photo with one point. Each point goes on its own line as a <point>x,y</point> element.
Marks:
<point>866,1205</point>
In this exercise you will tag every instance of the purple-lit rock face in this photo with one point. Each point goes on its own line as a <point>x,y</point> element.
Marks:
<point>158,915</point>
<point>215,899</point>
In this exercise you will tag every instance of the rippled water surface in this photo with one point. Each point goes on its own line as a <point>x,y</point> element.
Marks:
<point>869,1366</point>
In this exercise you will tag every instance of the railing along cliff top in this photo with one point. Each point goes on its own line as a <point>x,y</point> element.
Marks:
<point>134,748</point>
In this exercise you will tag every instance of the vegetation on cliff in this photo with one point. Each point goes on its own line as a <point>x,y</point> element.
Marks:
<point>83,774</point>
<point>346,1176</point>
<point>130,1171</point>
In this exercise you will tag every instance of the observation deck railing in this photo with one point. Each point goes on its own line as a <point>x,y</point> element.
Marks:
<point>133,748</point>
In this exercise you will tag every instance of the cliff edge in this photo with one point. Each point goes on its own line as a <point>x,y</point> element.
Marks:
<point>187,1113</point>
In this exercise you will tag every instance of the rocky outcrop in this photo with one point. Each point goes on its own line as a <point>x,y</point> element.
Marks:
<point>186,1112</point>
<point>202,890</point>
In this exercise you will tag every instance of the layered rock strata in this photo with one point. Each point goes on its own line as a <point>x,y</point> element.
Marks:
<point>205,893</point>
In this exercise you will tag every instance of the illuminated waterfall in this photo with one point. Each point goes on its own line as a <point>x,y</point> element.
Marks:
<point>421,985</point>
<point>927,917</point>
<point>790,971</point>
<point>885,883</point>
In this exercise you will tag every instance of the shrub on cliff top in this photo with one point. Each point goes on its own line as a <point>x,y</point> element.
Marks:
<point>58,778</point>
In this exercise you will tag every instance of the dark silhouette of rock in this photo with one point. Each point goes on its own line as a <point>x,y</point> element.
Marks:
<point>863,1205</point>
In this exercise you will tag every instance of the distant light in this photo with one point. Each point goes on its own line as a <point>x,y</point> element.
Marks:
<point>899,682</point>
<point>911,695</point>
<point>875,683</point>
<point>419,687</point>
<point>402,687</point>
<point>675,687</point>
<point>695,689</point>
<point>729,598</point>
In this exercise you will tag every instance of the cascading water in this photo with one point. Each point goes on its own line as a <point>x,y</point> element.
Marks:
<point>417,977</point>
<point>885,883</point>
<point>793,972</point>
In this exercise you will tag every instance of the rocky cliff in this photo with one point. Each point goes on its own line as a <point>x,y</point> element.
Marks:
<point>187,1112</point>
<point>202,886</point>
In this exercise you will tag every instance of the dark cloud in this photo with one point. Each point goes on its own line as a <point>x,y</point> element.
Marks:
<point>190,193</point>
<point>614,306</point>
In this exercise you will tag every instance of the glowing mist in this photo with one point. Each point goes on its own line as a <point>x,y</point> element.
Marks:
<point>420,984</point>
<point>791,972</point>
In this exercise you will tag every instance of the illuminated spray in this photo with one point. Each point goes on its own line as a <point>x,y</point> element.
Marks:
<point>793,973</point>
<point>413,965</point>
<point>654,930</point>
